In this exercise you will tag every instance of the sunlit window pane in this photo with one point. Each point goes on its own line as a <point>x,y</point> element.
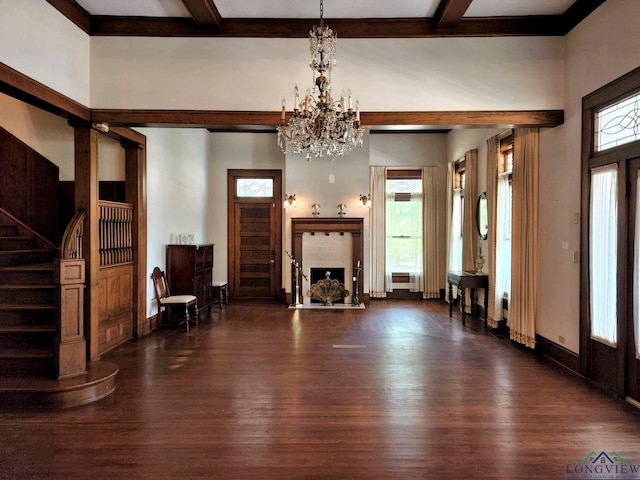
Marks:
<point>618,124</point>
<point>254,187</point>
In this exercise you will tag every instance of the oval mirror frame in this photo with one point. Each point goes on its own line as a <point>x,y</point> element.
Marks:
<point>482,216</point>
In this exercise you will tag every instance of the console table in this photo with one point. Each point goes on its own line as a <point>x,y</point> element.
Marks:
<point>471,280</point>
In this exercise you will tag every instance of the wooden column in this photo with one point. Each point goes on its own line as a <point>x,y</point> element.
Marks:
<point>86,196</point>
<point>70,345</point>
<point>136,194</point>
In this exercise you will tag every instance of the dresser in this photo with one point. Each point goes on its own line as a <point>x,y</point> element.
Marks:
<point>190,271</point>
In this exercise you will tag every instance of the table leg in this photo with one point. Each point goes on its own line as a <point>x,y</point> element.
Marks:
<point>486,307</point>
<point>463,302</point>
<point>450,299</point>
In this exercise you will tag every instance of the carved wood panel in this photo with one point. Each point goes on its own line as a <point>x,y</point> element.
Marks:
<point>115,307</point>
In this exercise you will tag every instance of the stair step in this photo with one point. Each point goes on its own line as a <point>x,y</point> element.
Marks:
<point>7,230</point>
<point>26,336</point>
<point>12,315</point>
<point>36,274</point>
<point>26,362</point>
<point>26,257</point>
<point>16,243</point>
<point>27,294</point>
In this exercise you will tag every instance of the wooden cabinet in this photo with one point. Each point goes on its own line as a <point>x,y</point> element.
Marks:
<point>190,271</point>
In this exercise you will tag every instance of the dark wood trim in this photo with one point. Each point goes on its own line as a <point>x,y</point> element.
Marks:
<point>449,13</point>
<point>74,12</point>
<point>558,354</point>
<point>28,90</point>
<point>448,21</point>
<point>577,12</point>
<point>135,193</point>
<point>217,118</point>
<point>204,12</point>
<point>533,25</point>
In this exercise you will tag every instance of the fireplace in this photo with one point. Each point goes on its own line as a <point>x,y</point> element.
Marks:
<point>317,242</point>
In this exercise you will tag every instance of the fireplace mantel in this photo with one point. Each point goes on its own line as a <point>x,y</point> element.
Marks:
<point>354,226</point>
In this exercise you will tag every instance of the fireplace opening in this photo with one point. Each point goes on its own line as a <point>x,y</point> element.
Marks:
<point>335,273</point>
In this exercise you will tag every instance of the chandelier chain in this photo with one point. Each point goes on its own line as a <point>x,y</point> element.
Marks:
<point>321,126</point>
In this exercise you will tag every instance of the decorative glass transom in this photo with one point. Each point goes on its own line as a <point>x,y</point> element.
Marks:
<point>254,187</point>
<point>618,124</point>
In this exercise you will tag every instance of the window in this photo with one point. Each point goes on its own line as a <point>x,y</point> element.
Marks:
<point>404,231</point>
<point>603,235</point>
<point>457,217</point>
<point>618,124</point>
<point>503,218</point>
<point>254,187</point>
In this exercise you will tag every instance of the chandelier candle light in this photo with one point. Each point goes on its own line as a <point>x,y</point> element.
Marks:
<point>322,126</point>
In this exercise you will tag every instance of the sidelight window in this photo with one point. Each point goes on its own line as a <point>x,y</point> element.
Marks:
<point>603,235</point>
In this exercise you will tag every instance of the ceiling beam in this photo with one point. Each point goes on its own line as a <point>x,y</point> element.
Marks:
<point>577,12</point>
<point>204,13</point>
<point>73,12</point>
<point>449,13</point>
<point>540,25</point>
<point>215,119</point>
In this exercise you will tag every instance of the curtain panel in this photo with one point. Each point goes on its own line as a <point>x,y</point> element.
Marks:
<point>449,226</point>
<point>494,304</point>
<point>469,233</point>
<point>431,232</point>
<point>524,263</point>
<point>377,184</point>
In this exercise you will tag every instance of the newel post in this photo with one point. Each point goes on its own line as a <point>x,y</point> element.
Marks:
<point>70,344</point>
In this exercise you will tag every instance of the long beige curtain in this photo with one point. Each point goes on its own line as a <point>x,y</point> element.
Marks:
<point>377,183</point>
<point>431,272</point>
<point>449,200</point>
<point>494,304</point>
<point>524,262</point>
<point>469,232</point>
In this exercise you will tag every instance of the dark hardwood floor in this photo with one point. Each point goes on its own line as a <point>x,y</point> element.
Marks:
<point>396,391</point>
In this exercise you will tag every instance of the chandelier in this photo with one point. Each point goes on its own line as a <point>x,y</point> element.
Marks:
<point>321,126</point>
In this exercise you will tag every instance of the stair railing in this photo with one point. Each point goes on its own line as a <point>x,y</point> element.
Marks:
<point>70,344</point>
<point>115,231</point>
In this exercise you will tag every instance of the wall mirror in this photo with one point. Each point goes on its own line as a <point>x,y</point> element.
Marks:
<point>482,216</point>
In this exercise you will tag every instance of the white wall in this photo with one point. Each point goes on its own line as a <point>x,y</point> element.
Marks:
<point>233,151</point>
<point>48,134</point>
<point>510,73</point>
<point>602,48</point>
<point>38,41</point>
<point>177,193</point>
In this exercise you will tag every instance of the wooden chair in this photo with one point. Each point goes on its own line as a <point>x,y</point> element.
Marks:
<point>166,301</point>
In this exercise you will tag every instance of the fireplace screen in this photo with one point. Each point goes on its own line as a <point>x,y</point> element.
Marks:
<point>327,286</point>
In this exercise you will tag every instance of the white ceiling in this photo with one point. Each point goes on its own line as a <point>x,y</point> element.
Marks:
<point>332,8</point>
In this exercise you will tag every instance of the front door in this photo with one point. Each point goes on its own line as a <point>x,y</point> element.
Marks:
<point>254,233</point>
<point>633,283</point>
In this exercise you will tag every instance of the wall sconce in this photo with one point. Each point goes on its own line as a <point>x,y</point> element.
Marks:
<point>290,201</point>
<point>341,210</point>
<point>316,209</point>
<point>365,201</point>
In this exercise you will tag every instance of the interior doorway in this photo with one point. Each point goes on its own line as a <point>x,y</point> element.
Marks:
<point>254,218</point>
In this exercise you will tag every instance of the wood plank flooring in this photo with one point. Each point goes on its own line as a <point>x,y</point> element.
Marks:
<point>260,392</point>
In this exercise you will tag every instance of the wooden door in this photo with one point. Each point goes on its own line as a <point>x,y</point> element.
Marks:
<point>633,283</point>
<point>255,234</point>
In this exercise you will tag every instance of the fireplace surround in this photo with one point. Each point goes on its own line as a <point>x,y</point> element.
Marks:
<point>319,225</point>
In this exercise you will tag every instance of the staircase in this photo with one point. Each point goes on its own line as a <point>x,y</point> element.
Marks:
<point>30,345</point>
<point>27,306</point>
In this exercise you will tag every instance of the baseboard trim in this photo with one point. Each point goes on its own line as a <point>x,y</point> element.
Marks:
<point>558,354</point>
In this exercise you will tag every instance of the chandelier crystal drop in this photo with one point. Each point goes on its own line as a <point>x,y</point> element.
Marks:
<point>321,126</point>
